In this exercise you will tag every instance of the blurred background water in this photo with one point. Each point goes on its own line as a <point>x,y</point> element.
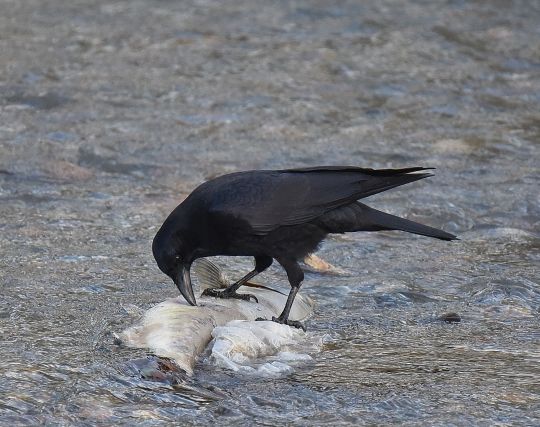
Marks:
<point>111,112</point>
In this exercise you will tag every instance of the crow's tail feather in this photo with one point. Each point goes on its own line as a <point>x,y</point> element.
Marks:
<point>359,217</point>
<point>378,184</point>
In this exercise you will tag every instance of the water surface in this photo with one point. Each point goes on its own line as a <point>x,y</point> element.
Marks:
<point>111,113</point>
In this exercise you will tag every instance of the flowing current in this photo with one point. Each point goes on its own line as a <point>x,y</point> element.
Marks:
<point>111,112</point>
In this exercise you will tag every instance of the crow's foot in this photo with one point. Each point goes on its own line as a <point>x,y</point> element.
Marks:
<point>295,323</point>
<point>209,292</point>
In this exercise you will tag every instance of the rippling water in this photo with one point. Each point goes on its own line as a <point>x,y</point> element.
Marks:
<point>111,113</point>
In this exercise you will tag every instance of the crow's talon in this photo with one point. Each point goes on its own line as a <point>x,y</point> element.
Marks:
<point>294,323</point>
<point>209,292</point>
<point>247,297</point>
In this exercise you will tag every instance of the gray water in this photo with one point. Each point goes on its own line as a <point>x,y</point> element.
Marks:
<point>110,112</point>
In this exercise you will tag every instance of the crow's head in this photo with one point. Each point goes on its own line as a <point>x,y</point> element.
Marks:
<point>174,258</point>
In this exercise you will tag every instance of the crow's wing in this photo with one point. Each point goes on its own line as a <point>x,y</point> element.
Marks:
<point>267,200</point>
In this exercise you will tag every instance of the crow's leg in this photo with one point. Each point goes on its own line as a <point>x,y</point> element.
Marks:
<point>261,264</point>
<point>295,275</point>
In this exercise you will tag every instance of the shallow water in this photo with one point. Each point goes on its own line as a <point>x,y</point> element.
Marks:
<point>110,114</point>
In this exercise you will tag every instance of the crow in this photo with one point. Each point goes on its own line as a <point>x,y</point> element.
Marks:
<point>280,215</point>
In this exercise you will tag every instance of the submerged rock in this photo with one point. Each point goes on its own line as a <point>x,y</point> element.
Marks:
<point>450,317</point>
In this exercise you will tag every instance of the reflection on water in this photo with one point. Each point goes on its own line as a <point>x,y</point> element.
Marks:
<point>111,114</point>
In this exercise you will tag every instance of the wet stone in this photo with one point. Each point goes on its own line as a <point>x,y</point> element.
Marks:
<point>450,318</point>
<point>64,170</point>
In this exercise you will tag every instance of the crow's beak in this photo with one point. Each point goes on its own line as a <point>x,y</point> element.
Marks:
<point>183,283</point>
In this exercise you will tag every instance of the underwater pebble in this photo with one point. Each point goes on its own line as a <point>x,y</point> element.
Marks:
<point>450,317</point>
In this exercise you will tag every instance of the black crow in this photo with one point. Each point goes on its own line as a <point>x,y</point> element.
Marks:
<point>276,214</point>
